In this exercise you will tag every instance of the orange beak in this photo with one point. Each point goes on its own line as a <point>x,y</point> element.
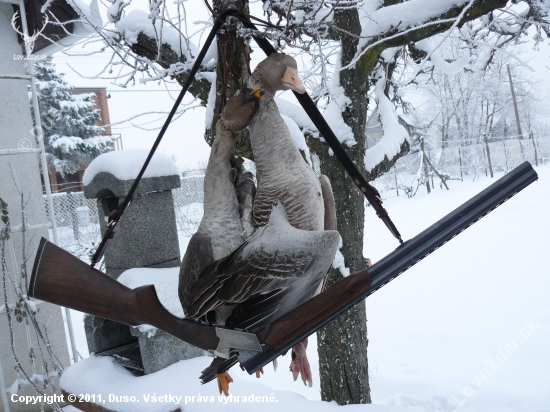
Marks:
<point>292,81</point>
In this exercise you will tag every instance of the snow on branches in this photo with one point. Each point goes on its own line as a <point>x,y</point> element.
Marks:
<point>394,133</point>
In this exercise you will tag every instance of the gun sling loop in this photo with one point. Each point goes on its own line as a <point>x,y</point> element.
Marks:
<point>305,101</point>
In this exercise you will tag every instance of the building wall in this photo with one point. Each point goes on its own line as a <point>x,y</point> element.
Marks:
<point>20,174</point>
<point>101,103</point>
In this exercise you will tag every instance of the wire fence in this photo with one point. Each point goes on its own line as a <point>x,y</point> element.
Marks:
<point>460,161</point>
<point>77,218</point>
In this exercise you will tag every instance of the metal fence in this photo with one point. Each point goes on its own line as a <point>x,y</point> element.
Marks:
<point>77,217</point>
<point>460,162</point>
<point>188,200</point>
<point>505,155</point>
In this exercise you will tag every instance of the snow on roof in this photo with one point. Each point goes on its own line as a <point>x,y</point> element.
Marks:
<point>126,164</point>
<point>82,27</point>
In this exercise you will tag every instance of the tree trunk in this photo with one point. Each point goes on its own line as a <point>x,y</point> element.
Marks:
<point>342,344</point>
<point>232,72</point>
<point>425,163</point>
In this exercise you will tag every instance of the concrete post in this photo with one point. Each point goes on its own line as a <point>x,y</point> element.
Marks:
<point>145,237</point>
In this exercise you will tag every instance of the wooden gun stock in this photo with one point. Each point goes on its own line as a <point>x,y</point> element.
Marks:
<point>321,309</point>
<point>61,278</point>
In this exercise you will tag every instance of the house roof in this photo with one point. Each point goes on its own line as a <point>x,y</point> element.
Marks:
<point>56,36</point>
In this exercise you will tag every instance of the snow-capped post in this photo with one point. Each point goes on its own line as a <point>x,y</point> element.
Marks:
<point>146,236</point>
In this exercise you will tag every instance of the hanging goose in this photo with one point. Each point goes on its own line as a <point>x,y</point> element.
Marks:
<point>283,174</point>
<point>228,196</point>
<point>285,261</point>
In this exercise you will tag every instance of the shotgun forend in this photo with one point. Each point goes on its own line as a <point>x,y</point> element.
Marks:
<point>318,311</point>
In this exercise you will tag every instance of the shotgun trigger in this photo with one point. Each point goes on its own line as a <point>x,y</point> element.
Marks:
<point>113,216</point>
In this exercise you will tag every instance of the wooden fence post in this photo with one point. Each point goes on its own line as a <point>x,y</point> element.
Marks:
<point>425,165</point>
<point>460,163</point>
<point>505,155</point>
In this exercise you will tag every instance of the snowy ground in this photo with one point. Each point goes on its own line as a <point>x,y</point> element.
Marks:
<point>466,329</point>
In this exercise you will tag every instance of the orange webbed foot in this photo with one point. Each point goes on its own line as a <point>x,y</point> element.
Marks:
<point>259,372</point>
<point>224,379</point>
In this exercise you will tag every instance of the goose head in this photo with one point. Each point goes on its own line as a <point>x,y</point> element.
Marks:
<point>278,72</point>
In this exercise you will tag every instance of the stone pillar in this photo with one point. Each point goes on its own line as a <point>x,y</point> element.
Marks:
<point>162,350</point>
<point>145,237</point>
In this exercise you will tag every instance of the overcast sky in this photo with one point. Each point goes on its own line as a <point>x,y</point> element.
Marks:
<point>184,138</point>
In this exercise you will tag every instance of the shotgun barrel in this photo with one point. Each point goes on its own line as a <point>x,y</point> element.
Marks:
<point>318,311</point>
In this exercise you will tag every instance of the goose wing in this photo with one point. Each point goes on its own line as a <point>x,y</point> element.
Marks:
<point>276,257</point>
<point>198,257</point>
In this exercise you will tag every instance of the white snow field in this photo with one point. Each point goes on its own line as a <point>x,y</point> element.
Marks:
<point>466,329</point>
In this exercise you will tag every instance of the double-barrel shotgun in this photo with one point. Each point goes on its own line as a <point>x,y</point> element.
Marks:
<point>61,278</point>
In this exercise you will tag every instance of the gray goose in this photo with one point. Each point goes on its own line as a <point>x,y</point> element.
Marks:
<point>273,271</point>
<point>282,174</point>
<point>228,196</point>
<point>292,248</point>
